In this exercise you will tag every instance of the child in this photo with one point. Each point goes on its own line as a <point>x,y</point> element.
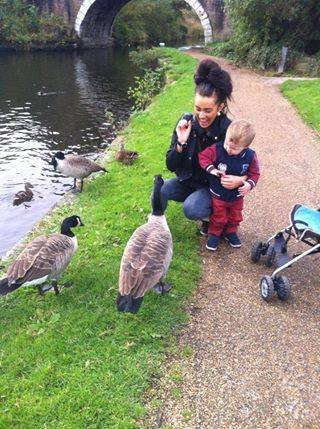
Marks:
<point>230,157</point>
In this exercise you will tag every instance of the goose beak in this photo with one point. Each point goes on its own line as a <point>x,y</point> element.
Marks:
<point>81,224</point>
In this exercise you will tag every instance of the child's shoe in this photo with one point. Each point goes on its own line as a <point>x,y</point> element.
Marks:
<point>212,242</point>
<point>233,239</point>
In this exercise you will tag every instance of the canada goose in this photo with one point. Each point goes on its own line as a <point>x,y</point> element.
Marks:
<point>23,196</point>
<point>127,157</point>
<point>146,258</point>
<point>44,259</point>
<point>75,166</point>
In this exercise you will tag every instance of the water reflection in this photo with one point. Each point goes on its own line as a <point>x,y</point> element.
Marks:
<point>49,102</point>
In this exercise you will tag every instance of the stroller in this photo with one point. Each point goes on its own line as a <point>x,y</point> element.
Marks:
<point>305,227</point>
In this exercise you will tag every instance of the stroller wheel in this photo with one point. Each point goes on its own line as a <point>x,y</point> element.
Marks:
<point>271,254</point>
<point>267,288</point>
<point>283,288</point>
<point>256,251</point>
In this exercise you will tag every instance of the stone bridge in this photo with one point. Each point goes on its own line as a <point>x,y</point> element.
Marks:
<point>93,19</point>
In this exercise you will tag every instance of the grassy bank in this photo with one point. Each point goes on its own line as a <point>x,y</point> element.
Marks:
<point>305,95</point>
<point>73,361</point>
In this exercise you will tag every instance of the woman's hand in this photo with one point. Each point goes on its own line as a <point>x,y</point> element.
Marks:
<point>229,181</point>
<point>183,131</point>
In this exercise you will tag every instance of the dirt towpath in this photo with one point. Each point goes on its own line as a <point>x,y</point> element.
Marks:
<point>253,364</point>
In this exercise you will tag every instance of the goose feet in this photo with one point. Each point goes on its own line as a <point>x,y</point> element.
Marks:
<point>65,286</point>
<point>162,288</point>
<point>74,188</point>
<point>48,288</point>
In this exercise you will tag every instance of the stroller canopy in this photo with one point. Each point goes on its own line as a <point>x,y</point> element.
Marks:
<point>305,219</point>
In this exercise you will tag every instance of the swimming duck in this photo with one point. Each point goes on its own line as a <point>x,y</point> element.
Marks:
<point>75,166</point>
<point>127,157</point>
<point>146,258</point>
<point>23,196</point>
<point>42,91</point>
<point>44,259</point>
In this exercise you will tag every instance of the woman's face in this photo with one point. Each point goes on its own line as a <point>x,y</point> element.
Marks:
<point>205,110</point>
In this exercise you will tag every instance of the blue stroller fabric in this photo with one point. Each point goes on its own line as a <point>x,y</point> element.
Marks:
<point>304,218</point>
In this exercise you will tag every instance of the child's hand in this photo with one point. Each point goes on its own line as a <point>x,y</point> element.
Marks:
<point>216,172</point>
<point>244,189</point>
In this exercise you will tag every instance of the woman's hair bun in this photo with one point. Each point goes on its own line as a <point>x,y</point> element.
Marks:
<point>208,71</point>
<point>210,78</point>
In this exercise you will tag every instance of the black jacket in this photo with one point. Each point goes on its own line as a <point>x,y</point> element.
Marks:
<point>186,164</point>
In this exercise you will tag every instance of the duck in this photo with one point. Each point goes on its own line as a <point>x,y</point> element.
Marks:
<point>43,92</point>
<point>127,157</point>
<point>146,257</point>
<point>75,166</point>
<point>23,196</point>
<point>43,260</point>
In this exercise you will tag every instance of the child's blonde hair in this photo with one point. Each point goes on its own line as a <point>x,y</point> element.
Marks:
<point>241,130</point>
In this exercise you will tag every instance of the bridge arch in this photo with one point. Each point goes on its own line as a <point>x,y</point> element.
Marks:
<point>95,18</point>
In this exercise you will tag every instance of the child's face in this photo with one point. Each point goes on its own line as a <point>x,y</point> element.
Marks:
<point>233,147</point>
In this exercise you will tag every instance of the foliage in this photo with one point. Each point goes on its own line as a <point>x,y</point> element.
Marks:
<point>305,95</point>
<point>307,66</point>
<point>73,361</point>
<point>21,25</point>
<point>145,58</point>
<point>296,62</point>
<point>262,27</point>
<point>146,87</point>
<point>152,80</point>
<point>221,49</point>
<point>148,22</point>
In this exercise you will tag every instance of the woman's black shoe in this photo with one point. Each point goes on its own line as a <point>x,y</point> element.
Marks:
<point>204,227</point>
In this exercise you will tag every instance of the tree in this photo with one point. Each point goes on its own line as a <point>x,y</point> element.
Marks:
<point>261,27</point>
<point>149,22</point>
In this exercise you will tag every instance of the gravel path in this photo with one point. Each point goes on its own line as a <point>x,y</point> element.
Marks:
<point>249,364</point>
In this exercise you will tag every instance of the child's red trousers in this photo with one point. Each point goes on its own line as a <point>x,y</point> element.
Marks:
<point>226,216</point>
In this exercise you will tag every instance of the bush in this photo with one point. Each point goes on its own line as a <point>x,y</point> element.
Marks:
<point>145,58</point>
<point>148,22</point>
<point>146,87</point>
<point>262,27</point>
<point>21,25</point>
<point>221,49</point>
<point>307,66</point>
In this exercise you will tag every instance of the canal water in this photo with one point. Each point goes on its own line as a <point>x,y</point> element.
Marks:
<point>52,101</point>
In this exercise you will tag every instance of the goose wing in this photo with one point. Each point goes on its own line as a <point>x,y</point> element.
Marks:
<point>145,260</point>
<point>44,256</point>
<point>80,162</point>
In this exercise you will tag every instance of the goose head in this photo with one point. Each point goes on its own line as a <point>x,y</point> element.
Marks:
<point>57,156</point>
<point>70,222</point>
<point>157,209</point>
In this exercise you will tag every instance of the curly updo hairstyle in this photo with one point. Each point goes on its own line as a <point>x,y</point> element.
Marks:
<point>211,80</point>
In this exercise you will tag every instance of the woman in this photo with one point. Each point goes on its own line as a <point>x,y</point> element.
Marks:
<point>193,134</point>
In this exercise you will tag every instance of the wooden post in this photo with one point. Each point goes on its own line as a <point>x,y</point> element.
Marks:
<point>284,53</point>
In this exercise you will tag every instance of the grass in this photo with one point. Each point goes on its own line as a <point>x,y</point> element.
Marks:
<point>73,361</point>
<point>305,95</point>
